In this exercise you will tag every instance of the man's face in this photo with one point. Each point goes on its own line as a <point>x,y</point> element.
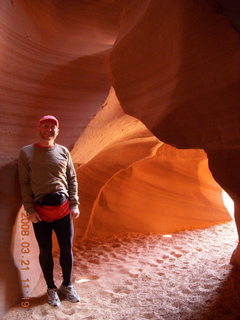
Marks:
<point>48,130</point>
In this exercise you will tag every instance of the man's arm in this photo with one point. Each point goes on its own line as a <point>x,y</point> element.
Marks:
<point>26,192</point>
<point>24,180</point>
<point>72,188</point>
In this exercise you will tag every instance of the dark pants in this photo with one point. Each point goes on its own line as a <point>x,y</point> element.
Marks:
<point>64,232</point>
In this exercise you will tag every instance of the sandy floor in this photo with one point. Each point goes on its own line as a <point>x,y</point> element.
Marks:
<point>136,277</point>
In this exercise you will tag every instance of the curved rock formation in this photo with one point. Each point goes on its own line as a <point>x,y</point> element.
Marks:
<point>168,192</point>
<point>174,66</point>
<point>132,182</point>
<point>181,76</point>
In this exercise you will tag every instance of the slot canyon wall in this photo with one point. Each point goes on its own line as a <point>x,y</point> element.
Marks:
<point>131,82</point>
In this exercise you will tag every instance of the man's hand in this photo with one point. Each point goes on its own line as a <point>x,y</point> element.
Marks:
<point>34,217</point>
<point>74,214</point>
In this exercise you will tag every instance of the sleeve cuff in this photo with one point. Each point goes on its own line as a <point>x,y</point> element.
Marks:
<point>30,210</point>
<point>75,208</point>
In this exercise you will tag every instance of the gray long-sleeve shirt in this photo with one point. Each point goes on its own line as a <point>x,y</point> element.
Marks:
<point>44,170</point>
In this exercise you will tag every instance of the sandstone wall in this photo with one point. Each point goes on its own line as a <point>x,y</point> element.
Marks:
<point>174,66</point>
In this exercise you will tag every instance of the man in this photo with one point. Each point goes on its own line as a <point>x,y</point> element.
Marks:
<point>49,193</point>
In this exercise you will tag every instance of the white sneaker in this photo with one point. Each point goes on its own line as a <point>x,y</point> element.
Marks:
<point>53,298</point>
<point>70,293</point>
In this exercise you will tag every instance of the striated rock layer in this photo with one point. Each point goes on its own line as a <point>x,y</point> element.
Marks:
<point>174,66</point>
<point>181,77</point>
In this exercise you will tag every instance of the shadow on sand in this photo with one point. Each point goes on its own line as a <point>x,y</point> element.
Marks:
<point>225,303</point>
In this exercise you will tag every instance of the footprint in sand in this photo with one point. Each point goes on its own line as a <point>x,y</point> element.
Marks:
<point>165,256</point>
<point>116,245</point>
<point>135,273</point>
<point>107,294</point>
<point>44,313</point>
<point>159,261</point>
<point>93,277</point>
<point>177,255</point>
<point>115,300</point>
<point>123,270</point>
<point>107,249</point>
<point>122,290</point>
<point>58,316</point>
<point>86,317</point>
<point>149,316</point>
<point>119,258</point>
<point>95,261</point>
<point>104,259</point>
<point>69,312</point>
<point>178,248</point>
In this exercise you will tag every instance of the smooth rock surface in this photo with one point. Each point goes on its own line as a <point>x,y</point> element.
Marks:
<point>174,66</point>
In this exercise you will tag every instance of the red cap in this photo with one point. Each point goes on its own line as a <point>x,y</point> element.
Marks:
<point>49,118</point>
